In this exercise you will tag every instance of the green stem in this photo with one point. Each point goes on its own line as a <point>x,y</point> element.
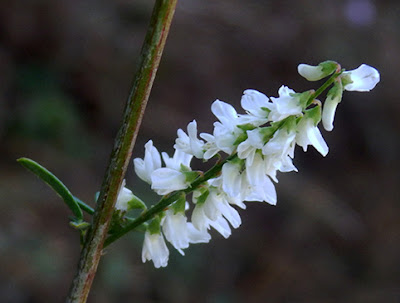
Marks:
<point>149,61</point>
<point>323,87</point>
<point>167,200</point>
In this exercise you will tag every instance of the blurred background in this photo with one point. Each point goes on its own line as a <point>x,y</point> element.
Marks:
<point>65,72</point>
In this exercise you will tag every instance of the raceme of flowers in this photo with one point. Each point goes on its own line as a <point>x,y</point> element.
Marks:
<point>258,144</point>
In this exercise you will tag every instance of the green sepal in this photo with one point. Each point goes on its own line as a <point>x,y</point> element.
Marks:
<point>239,139</point>
<point>314,114</point>
<point>190,176</point>
<point>180,204</point>
<point>51,180</point>
<point>290,123</point>
<point>136,203</point>
<point>267,111</point>
<point>203,196</point>
<point>336,92</point>
<point>242,137</point>
<point>154,225</point>
<point>246,127</point>
<point>328,67</point>
<point>304,98</point>
<point>268,132</point>
<point>346,79</point>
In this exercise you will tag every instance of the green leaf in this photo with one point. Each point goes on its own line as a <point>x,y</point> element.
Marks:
<point>84,206</point>
<point>54,183</point>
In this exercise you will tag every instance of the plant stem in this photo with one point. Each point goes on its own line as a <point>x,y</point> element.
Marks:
<point>151,52</point>
<point>167,200</point>
<point>323,87</point>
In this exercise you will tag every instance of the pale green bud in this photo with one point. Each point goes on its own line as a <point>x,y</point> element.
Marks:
<point>315,73</point>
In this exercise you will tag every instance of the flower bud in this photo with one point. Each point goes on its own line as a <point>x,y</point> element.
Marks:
<point>315,73</point>
<point>333,98</point>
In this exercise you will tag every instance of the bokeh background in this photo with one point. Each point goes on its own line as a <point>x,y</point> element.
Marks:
<point>65,72</point>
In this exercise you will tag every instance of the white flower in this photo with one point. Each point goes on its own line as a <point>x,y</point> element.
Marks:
<point>363,79</point>
<point>152,161</point>
<point>278,152</point>
<point>175,230</point>
<point>225,132</point>
<point>124,196</point>
<point>215,212</point>
<point>259,186</point>
<point>180,233</point>
<point>189,143</point>
<point>255,104</point>
<point>284,106</point>
<point>210,146</point>
<point>247,149</point>
<point>231,178</point>
<point>167,179</point>
<point>309,134</point>
<point>154,248</point>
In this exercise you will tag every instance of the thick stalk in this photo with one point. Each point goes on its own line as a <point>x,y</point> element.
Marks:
<point>149,61</point>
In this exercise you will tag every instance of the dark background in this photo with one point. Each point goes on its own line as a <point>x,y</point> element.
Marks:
<point>65,72</point>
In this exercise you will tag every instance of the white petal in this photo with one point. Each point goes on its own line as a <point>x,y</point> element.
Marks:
<point>317,140</point>
<point>328,113</point>
<point>152,161</point>
<point>197,236</point>
<point>165,180</point>
<point>231,179</point>
<point>364,78</point>
<point>310,72</point>
<point>224,112</point>
<point>222,226</point>
<point>154,248</point>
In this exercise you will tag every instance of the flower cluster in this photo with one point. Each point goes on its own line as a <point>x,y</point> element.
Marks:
<point>258,144</point>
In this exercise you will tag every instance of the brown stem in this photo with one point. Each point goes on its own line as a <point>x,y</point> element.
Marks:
<point>149,60</point>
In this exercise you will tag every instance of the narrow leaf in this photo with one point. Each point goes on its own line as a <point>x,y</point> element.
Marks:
<point>54,183</point>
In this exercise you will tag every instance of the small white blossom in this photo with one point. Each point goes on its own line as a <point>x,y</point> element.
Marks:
<point>284,106</point>
<point>278,153</point>
<point>309,134</point>
<point>170,178</point>
<point>258,186</point>
<point>189,143</point>
<point>175,230</point>
<point>226,131</point>
<point>231,179</point>
<point>210,146</point>
<point>180,233</point>
<point>247,149</point>
<point>152,161</point>
<point>124,196</point>
<point>255,104</point>
<point>363,79</point>
<point>154,248</point>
